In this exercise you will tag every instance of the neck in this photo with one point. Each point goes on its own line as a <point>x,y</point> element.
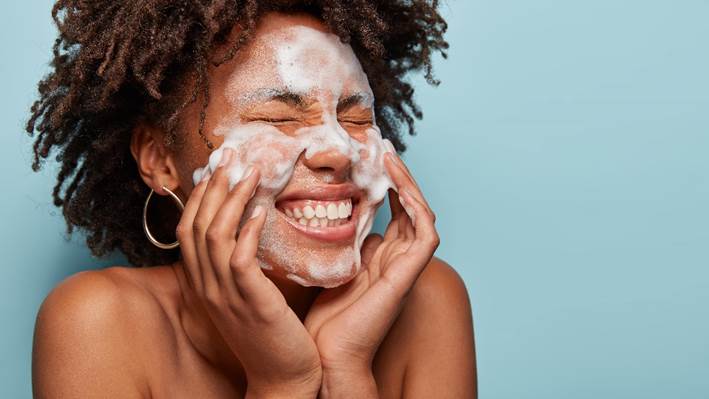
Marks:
<point>201,331</point>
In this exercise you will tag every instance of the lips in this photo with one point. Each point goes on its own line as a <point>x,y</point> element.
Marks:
<point>323,212</point>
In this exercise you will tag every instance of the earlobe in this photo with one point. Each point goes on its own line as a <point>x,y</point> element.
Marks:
<point>155,164</point>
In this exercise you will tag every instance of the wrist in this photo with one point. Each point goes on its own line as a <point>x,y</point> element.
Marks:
<point>282,392</point>
<point>348,382</point>
<point>307,387</point>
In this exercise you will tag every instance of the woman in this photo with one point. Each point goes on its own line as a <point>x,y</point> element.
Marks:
<point>258,122</point>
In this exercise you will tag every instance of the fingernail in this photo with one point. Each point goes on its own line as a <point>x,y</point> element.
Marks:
<point>257,211</point>
<point>227,154</point>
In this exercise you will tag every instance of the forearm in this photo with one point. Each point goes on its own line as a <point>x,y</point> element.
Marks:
<point>348,384</point>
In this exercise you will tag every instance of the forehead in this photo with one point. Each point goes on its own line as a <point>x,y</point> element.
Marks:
<point>295,54</point>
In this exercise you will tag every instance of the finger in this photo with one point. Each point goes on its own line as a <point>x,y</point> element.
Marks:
<point>402,183</point>
<point>213,198</point>
<point>426,236</point>
<point>406,220</point>
<point>186,239</point>
<point>405,178</point>
<point>392,230</point>
<point>400,164</point>
<point>369,247</point>
<point>402,179</point>
<point>394,204</point>
<point>226,223</point>
<point>397,174</point>
<point>246,272</point>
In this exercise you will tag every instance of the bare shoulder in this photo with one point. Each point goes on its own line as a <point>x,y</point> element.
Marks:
<point>440,344</point>
<point>86,337</point>
<point>440,285</point>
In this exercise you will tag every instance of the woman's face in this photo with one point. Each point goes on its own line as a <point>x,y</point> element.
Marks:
<point>296,104</point>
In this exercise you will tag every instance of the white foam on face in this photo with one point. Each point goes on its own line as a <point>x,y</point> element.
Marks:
<point>317,64</point>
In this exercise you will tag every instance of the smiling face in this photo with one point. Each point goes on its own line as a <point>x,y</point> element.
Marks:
<point>296,104</point>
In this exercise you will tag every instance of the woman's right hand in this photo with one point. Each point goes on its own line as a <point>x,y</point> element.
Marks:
<point>276,351</point>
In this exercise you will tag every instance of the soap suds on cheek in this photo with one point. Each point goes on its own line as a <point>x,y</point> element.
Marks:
<point>316,63</point>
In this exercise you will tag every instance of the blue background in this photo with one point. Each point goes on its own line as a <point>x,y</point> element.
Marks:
<point>567,156</point>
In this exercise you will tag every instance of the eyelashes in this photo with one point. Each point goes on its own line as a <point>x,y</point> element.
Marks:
<point>274,121</point>
<point>284,121</point>
<point>364,122</point>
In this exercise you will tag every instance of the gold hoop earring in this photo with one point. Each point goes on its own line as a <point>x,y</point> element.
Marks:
<point>152,239</point>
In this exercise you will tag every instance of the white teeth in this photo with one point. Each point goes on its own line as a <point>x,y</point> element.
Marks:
<point>342,211</point>
<point>331,211</point>
<point>327,214</point>
<point>308,212</point>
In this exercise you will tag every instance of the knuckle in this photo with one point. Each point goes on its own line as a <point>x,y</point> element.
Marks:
<point>435,240</point>
<point>237,309</point>
<point>246,229</point>
<point>212,297</point>
<point>214,234</point>
<point>199,227</point>
<point>239,264</point>
<point>183,231</point>
<point>268,314</point>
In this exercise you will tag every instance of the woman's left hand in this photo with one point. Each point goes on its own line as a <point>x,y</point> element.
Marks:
<point>349,322</point>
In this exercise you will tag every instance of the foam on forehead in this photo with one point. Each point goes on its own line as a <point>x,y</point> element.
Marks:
<point>306,58</point>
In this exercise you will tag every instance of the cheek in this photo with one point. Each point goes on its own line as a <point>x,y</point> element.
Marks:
<point>185,167</point>
<point>193,153</point>
<point>275,161</point>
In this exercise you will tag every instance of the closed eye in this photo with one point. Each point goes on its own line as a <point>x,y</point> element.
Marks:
<point>274,121</point>
<point>359,122</point>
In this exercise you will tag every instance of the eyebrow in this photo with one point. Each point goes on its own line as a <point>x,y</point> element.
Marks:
<point>290,98</point>
<point>272,94</point>
<point>299,101</point>
<point>362,99</point>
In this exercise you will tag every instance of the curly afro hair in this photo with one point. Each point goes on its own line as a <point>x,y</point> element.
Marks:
<point>119,62</point>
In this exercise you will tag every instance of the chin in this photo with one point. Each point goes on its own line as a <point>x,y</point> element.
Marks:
<point>311,270</point>
<point>309,255</point>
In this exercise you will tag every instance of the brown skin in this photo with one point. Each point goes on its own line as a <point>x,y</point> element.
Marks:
<point>402,328</point>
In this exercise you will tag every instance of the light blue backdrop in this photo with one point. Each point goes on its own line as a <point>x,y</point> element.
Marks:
<point>567,157</point>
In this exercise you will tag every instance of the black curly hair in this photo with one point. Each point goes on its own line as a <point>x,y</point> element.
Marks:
<point>120,62</point>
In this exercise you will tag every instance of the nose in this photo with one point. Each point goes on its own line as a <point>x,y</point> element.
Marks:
<point>329,161</point>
